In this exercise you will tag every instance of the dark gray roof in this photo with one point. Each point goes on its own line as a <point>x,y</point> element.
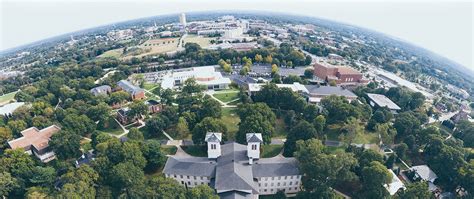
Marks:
<point>272,167</point>
<point>235,195</point>
<point>129,87</point>
<point>329,90</point>
<point>213,137</point>
<point>233,171</point>
<point>254,137</point>
<point>192,166</point>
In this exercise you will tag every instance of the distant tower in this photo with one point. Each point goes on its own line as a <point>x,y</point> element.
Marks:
<point>155,24</point>
<point>213,144</point>
<point>253,146</point>
<point>182,19</point>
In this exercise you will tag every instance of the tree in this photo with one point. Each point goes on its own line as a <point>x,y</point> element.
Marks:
<point>100,112</point>
<point>258,58</point>
<point>386,132</point>
<point>16,126</point>
<point>401,150</point>
<point>417,190</point>
<point>161,187</point>
<point>406,123</point>
<point>135,134</point>
<point>127,177</point>
<point>465,132</point>
<point>210,108</point>
<point>44,176</point>
<point>208,124</point>
<point>167,96</point>
<point>332,83</point>
<point>320,170</point>
<point>202,192</point>
<point>309,73</point>
<point>374,176</point>
<point>302,131</point>
<point>368,156</point>
<point>137,108</point>
<point>152,152</point>
<point>274,69</point>
<point>256,118</point>
<point>350,130</point>
<point>182,128</point>
<point>66,144</point>
<point>8,183</point>
<point>5,135</point>
<point>119,97</point>
<point>17,163</point>
<point>191,86</point>
<point>156,125</point>
<point>319,123</point>
<point>78,124</point>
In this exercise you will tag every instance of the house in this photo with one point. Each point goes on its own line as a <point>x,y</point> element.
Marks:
<point>340,74</point>
<point>101,90</point>
<point>153,106</point>
<point>123,116</point>
<point>395,185</point>
<point>134,91</point>
<point>316,93</point>
<point>36,141</point>
<point>424,173</point>
<point>460,116</point>
<point>235,170</point>
<point>205,76</point>
<point>86,158</point>
<point>379,101</point>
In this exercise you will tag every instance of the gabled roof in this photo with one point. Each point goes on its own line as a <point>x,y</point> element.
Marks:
<point>233,172</point>
<point>235,195</point>
<point>276,166</point>
<point>129,87</point>
<point>329,90</point>
<point>192,166</point>
<point>101,90</point>
<point>213,137</point>
<point>425,173</point>
<point>254,137</point>
<point>395,185</point>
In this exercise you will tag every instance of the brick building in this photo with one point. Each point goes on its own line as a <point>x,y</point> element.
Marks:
<point>340,74</point>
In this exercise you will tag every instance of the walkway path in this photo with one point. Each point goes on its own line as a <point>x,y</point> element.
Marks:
<point>223,104</point>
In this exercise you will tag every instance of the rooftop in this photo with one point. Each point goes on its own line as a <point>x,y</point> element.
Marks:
<point>329,90</point>
<point>34,137</point>
<point>129,87</point>
<point>425,173</point>
<point>383,101</point>
<point>9,108</point>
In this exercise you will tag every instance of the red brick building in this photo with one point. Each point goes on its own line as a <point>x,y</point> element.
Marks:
<point>340,74</point>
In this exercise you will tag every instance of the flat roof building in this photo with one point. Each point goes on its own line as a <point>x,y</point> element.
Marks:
<point>377,100</point>
<point>36,142</point>
<point>205,75</point>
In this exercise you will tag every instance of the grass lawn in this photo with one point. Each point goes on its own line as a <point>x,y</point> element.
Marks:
<point>366,138</point>
<point>334,149</point>
<point>202,41</point>
<point>269,151</point>
<point>4,99</point>
<point>280,129</point>
<point>169,150</point>
<point>231,120</point>
<point>85,145</point>
<point>226,97</point>
<point>112,53</point>
<point>112,128</point>
<point>149,86</point>
<point>196,150</point>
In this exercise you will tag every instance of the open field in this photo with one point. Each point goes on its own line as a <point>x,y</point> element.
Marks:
<point>116,53</point>
<point>112,128</point>
<point>149,86</point>
<point>332,133</point>
<point>5,99</point>
<point>226,97</point>
<point>269,151</point>
<point>202,41</point>
<point>231,120</point>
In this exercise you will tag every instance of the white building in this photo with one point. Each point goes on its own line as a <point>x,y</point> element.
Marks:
<point>395,185</point>
<point>182,19</point>
<point>205,75</point>
<point>238,171</point>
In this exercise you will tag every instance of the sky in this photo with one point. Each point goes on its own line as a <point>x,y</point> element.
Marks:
<point>442,26</point>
